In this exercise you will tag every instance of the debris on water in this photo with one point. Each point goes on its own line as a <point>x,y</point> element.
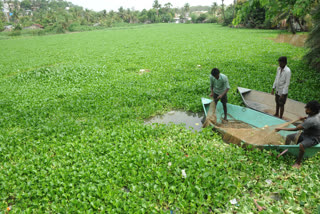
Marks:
<point>275,196</point>
<point>126,189</point>
<point>184,175</point>
<point>142,71</point>
<point>269,181</point>
<point>233,201</point>
<point>274,171</point>
<point>258,206</point>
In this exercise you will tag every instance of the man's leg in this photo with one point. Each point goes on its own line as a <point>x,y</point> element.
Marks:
<point>282,102</point>
<point>224,101</point>
<point>225,111</point>
<point>299,160</point>
<point>306,142</point>
<point>215,98</point>
<point>277,105</point>
<point>281,111</point>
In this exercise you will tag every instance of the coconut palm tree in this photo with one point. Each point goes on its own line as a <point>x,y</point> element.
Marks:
<point>186,9</point>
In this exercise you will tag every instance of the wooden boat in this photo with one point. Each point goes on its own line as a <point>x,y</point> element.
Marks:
<point>265,102</point>
<point>255,119</point>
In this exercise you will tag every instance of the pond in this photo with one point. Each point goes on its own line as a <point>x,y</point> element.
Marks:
<point>191,120</point>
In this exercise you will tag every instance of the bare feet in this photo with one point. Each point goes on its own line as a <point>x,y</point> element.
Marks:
<point>276,115</point>
<point>296,165</point>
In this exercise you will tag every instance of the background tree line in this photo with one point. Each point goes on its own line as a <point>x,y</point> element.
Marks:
<point>53,14</point>
<point>59,15</point>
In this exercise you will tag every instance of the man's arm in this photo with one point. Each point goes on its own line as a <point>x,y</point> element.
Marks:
<point>224,93</point>
<point>298,127</point>
<point>211,88</point>
<point>274,83</point>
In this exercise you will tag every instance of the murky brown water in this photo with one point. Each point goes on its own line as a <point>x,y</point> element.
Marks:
<point>191,120</point>
<point>293,39</point>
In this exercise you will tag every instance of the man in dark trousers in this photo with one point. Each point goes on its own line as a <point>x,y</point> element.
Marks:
<point>219,86</point>
<point>281,85</point>
<point>310,135</point>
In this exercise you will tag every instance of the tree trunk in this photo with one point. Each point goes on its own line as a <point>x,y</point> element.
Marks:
<point>224,18</point>
<point>234,9</point>
<point>301,26</point>
<point>291,25</point>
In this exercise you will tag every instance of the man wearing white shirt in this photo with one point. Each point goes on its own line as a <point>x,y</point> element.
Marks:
<point>281,85</point>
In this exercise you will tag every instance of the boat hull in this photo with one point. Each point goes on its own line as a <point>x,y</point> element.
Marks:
<point>255,119</point>
<point>265,102</point>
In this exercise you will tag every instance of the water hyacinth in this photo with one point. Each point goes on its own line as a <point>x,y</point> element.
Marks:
<point>72,133</point>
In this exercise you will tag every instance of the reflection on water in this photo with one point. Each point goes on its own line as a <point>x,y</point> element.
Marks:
<point>293,39</point>
<point>191,120</point>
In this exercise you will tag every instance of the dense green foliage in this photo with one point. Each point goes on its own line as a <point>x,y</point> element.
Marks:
<point>293,14</point>
<point>72,137</point>
<point>59,16</point>
<point>251,14</point>
<point>313,42</point>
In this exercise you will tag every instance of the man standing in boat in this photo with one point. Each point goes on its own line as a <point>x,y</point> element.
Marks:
<point>310,135</point>
<point>281,85</point>
<point>219,86</point>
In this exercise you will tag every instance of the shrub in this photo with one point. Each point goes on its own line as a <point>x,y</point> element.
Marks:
<point>1,26</point>
<point>201,18</point>
<point>60,29</point>
<point>74,27</point>
<point>15,33</point>
<point>212,19</point>
<point>17,27</point>
<point>40,32</point>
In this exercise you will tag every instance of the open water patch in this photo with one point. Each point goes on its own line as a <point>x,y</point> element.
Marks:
<point>189,119</point>
<point>293,39</point>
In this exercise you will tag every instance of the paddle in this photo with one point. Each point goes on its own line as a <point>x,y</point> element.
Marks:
<point>286,124</point>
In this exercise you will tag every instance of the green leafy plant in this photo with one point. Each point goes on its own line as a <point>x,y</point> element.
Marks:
<point>73,139</point>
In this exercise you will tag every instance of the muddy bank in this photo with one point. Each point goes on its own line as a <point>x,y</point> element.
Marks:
<point>293,39</point>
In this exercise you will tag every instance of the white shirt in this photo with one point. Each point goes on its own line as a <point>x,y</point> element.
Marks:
<point>282,81</point>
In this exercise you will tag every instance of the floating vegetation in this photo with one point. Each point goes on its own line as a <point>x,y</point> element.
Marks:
<point>72,132</point>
